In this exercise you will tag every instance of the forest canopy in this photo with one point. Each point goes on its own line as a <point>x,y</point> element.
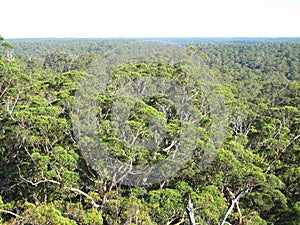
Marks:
<point>46,178</point>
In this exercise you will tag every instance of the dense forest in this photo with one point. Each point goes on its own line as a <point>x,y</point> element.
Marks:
<point>46,93</point>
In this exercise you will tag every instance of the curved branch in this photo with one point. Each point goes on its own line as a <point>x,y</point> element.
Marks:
<point>78,191</point>
<point>9,212</point>
<point>75,190</point>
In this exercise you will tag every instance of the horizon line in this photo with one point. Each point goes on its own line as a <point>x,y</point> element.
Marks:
<point>178,37</point>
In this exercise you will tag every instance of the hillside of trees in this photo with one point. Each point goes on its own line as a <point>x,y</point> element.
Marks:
<point>46,178</point>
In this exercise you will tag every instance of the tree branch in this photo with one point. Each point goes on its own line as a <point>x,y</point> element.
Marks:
<point>240,213</point>
<point>78,191</point>
<point>280,153</point>
<point>9,212</point>
<point>75,190</point>
<point>10,111</point>
<point>234,200</point>
<point>190,212</point>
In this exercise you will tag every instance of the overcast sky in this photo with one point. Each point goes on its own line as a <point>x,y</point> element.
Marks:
<point>149,18</point>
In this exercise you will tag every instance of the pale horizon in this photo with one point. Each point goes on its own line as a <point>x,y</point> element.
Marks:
<point>150,19</point>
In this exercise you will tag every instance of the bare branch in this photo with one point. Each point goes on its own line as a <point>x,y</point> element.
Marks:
<point>170,146</point>
<point>9,212</point>
<point>28,153</point>
<point>3,92</point>
<point>75,190</point>
<point>12,186</point>
<point>234,200</point>
<point>10,111</point>
<point>174,219</point>
<point>78,191</point>
<point>37,183</point>
<point>281,152</point>
<point>129,169</point>
<point>190,212</point>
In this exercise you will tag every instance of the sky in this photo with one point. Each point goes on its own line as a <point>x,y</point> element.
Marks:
<point>149,18</point>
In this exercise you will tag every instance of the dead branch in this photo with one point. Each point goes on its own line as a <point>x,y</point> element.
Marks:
<point>234,201</point>
<point>9,212</point>
<point>78,191</point>
<point>190,212</point>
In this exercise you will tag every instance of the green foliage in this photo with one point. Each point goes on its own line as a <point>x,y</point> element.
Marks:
<point>46,180</point>
<point>43,214</point>
<point>127,210</point>
<point>210,204</point>
<point>93,217</point>
<point>1,207</point>
<point>167,204</point>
